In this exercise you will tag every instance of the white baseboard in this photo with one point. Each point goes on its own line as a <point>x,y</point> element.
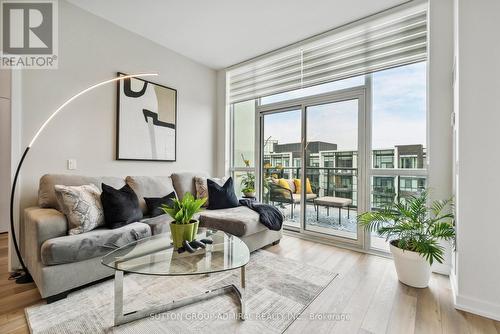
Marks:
<point>473,305</point>
<point>453,283</point>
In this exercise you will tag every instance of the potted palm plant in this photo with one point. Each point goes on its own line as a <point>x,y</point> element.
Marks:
<point>414,231</point>
<point>184,227</point>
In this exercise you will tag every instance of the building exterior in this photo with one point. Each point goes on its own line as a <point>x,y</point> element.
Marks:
<point>335,173</point>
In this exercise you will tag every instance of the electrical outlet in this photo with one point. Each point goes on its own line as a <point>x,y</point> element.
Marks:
<point>71,164</point>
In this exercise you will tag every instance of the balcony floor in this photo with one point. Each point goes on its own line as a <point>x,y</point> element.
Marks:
<point>328,222</point>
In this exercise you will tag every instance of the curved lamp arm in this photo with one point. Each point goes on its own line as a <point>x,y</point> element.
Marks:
<point>26,278</point>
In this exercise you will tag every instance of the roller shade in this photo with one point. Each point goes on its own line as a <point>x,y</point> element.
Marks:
<point>385,41</point>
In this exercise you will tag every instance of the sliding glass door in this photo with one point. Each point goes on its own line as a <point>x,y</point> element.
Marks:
<point>281,162</point>
<point>319,135</point>
<point>332,165</point>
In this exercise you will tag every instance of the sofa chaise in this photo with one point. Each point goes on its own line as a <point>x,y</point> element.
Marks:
<point>60,262</point>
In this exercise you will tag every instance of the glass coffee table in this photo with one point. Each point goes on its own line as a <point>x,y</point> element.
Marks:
<point>156,256</point>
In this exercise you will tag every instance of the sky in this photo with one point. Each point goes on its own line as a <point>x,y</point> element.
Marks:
<point>399,112</point>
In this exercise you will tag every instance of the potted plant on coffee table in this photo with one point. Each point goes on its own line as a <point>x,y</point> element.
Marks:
<point>184,227</point>
<point>414,231</point>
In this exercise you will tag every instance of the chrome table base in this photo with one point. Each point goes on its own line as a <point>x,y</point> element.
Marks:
<point>121,318</point>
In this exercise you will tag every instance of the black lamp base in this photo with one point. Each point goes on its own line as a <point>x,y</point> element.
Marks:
<point>24,279</point>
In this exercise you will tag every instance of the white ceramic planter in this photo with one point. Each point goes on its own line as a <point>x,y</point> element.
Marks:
<point>412,268</point>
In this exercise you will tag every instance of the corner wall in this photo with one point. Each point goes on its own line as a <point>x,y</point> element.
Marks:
<point>5,143</point>
<point>223,126</point>
<point>439,109</point>
<point>476,276</point>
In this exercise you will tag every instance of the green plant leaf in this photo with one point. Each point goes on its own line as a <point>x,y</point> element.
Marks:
<point>183,211</point>
<point>415,226</point>
<point>444,230</point>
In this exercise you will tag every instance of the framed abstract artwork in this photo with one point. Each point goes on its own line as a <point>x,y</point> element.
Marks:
<point>146,121</point>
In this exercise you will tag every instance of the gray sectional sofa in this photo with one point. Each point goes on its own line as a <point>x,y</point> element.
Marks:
<point>60,262</point>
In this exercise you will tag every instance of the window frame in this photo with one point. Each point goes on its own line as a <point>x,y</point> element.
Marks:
<point>395,172</point>
<point>368,165</point>
<point>232,168</point>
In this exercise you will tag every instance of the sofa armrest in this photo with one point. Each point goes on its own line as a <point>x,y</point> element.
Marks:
<point>159,224</point>
<point>40,225</point>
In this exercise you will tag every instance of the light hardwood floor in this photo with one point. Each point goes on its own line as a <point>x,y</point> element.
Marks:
<point>367,290</point>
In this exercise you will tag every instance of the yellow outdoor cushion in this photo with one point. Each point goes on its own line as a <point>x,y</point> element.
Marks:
<point>298,186</point>
<point>284,183</point>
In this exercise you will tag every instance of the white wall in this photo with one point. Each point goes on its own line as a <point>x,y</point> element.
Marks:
<point>477,51</point>
<point>439,108</point>
<point>223,126</point>
<point>4,149</point>
<point>91,50</point>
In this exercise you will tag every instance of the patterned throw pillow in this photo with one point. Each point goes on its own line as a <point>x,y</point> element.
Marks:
<point>82,207</point>
<point>202,187</point>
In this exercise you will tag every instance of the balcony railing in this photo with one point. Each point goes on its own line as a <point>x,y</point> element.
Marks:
<point>327,181</point>
<point>348,171</point>
<point>322,179</point>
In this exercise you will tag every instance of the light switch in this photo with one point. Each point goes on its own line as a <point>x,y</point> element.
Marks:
<point>71,164</point>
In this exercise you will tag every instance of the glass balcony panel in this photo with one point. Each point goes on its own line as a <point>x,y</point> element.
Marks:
<point>399,117</point>
<point>239,185</point>
<point>388,189</point>
<point>244,134</point>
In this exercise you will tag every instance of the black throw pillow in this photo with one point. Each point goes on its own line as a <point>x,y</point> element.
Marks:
<point>154,204</point>
<point>120,206</point>
<point>221,197</point>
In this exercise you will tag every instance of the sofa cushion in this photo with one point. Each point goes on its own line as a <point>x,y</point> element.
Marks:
<point>296,197</point>
<point>158,224</point>
<point>184,182</point>
<point>98,242</point>
<point>239,221</point>
<point>47,194</point>
<point>150,186</point>
<point>161,224</point>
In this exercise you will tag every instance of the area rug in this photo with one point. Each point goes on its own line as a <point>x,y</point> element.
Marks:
<point>278,291</point>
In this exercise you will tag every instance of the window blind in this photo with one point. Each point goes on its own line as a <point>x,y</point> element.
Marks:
<point>384,41</point>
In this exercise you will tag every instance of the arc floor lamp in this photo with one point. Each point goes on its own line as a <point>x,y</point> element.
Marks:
<point>26,276</point>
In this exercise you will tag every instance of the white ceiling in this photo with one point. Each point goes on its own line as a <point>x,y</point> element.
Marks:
<point>220,33</point>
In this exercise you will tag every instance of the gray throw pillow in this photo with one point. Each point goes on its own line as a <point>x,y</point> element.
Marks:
<point>82,207</point>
